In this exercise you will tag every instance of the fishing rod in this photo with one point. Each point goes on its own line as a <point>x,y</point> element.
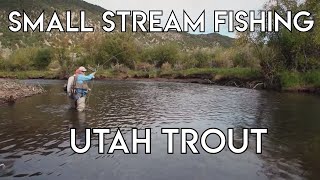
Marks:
<point>96,70</point>
<point>88,96</point>
<point>115,56</point>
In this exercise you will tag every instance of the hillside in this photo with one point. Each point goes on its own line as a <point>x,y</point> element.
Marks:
<point>33,8</point>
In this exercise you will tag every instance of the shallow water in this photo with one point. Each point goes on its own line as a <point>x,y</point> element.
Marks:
<point>35,136</point>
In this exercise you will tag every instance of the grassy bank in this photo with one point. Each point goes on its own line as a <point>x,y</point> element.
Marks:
<point>295,81</point>
<point>241,77</point>
<point>201,73</point>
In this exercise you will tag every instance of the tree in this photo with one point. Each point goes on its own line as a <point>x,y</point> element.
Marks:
<point>286,50</point>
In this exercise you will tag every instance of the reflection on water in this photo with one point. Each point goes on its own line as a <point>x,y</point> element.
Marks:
<point>34,133</point>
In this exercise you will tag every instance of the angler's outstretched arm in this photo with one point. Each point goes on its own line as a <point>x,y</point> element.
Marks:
<point>82,77</point>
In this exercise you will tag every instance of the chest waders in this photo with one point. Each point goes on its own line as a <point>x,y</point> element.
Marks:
<point>83,87</point>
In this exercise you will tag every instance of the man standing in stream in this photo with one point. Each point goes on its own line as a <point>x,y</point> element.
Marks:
<point>77,88</point>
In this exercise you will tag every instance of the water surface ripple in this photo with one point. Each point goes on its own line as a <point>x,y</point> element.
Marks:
<point>35,137</point>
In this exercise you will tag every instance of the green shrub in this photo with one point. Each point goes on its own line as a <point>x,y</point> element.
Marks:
<point>202,58</point>
<point>161,54</point>
<point>2,63</point>
<point>223,58</point>
<point>185,61</point>
<point>64,61</point>
<point>166,67</point>
<point>84,61</point>
<point>178,66</point>
<point>308,63</point>
<point>240,60</point>
<point>312,78</point>
<point>54,65</point>
<point>21,59</point>
<point>119,68</point>
<point>144,66</point>
<point>291,79</point>
<point>118,48</point>
<point>42,59</point>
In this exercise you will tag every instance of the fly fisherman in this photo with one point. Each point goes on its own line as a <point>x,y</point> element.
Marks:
<point>77,88</point>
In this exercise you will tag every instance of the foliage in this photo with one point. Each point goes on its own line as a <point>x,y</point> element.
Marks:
<point>117,48</point>
<point>161,54</point>
<point>42,59</point>
<point>119,68</point>
<point>24,59</point>
<point>291,79</point>
<point>283,52</point>
<point>202,58</point>
<point>64,61</point>
<point>21,59</point>
<point>241,73</point>
<point>244,57</point>
<point>2,63</point>
<point>166,67</point>
<point>144,66</point>
<point>223,58</point>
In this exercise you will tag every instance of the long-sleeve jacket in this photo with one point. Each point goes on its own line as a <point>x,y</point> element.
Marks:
<point>81,83</point>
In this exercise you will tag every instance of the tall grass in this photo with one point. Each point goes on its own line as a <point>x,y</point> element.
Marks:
<point>297,80</point>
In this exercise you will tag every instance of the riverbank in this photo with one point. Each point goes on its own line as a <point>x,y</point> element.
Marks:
<point>237,77</point>
<point>308,82</point>
<point>12,90</point>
